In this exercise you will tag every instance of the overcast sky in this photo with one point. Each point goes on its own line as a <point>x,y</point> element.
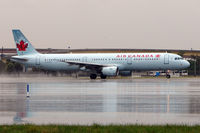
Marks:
<point>165,24</point>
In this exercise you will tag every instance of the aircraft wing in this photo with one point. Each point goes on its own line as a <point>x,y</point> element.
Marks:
<point>87,64</point>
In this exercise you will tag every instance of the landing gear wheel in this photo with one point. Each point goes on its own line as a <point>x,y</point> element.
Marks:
<point>93,76</point>
<point>168,76</point>
<point>103,76</point>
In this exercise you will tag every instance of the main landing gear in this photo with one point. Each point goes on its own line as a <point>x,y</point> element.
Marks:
<point>94,76</point>
<point>168,76</point>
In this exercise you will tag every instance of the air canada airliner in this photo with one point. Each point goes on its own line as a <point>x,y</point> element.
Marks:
<point>98,64</point>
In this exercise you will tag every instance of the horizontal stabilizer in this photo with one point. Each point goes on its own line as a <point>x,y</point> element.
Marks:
<point>19,59</point>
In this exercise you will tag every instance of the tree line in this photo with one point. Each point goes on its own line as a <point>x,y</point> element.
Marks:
<point>10,67</point>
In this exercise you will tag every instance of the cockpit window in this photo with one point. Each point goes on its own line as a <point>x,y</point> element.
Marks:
<point>178,58</point>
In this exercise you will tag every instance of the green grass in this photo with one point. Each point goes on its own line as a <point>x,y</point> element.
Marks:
<point>98,129</point>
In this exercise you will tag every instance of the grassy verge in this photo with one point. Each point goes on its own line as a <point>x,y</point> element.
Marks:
<point>98,129</point>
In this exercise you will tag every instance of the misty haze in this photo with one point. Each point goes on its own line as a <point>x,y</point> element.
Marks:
<point>171,24</point>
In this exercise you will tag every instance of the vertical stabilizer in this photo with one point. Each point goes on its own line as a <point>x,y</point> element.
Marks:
<point>23,46</point>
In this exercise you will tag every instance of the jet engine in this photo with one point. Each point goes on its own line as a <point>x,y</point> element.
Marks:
<point>110,71</point>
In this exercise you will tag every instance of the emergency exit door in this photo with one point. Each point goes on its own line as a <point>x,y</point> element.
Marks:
<point>129,60</point>
<point>84,59</point>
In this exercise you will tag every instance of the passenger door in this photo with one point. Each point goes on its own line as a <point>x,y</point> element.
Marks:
<point>37,60</point>
<point>166,59</point>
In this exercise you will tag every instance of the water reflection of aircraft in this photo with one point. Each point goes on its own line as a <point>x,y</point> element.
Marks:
<point>18,118</point>
<point>103,64</point>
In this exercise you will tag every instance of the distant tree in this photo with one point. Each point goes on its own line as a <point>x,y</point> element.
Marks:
<point>18,67</point>
<point>2,66</point>
<point>194,60</point>
<point>193,57</point>
<point>198,64</point>
<point>13,66</point>
<point>10,67</point>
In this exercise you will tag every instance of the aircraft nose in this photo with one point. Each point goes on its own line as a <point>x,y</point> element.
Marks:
<point>187,64</point>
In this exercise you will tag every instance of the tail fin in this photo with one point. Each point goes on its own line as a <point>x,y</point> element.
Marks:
<point>23,46</point>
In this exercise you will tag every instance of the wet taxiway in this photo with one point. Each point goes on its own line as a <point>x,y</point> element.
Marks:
<point>60,100</point>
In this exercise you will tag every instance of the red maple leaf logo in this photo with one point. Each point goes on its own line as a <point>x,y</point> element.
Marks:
<point>158,55</point>
<point>22,46</point>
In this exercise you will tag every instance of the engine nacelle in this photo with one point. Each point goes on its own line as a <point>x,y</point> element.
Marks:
<point>110,71</point>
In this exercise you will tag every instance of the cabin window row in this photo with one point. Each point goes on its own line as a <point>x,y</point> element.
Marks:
<point>48,60</point>
<point>102,59</point>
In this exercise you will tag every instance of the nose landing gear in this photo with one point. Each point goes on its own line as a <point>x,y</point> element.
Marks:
<point>168,76</point>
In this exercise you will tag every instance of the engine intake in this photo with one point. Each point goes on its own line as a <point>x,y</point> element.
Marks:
<point>110,71</point>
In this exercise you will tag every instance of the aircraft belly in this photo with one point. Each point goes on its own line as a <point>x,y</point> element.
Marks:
<point>60,66</point>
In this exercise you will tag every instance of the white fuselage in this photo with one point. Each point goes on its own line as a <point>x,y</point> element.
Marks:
<point>124,61</point>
